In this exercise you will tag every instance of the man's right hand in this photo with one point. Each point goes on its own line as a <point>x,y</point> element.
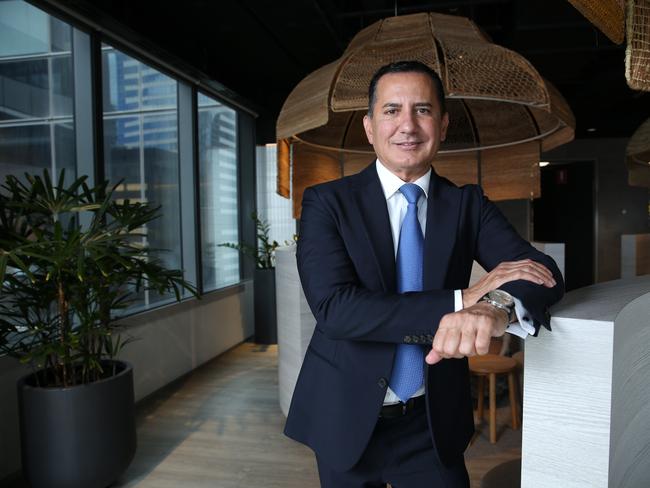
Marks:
<point>505,272</point>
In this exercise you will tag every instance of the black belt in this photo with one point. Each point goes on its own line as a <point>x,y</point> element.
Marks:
<point>400,409</point>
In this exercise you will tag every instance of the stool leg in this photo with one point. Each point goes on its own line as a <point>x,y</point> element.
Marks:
<point>514,408</point>
<point>493,408</point>
<point>481,392</point>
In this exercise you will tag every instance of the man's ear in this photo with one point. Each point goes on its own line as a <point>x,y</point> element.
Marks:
<point>444,124</point>
<point>367,125</point>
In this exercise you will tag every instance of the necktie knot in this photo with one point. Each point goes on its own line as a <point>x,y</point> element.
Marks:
<point>411,192</point>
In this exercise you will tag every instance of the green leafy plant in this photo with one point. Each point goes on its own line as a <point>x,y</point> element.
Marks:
<point>71,260</point>
<point>264,253</point>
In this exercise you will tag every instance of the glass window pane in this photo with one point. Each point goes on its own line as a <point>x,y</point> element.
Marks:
<point>64,150</point>
<point>218,192</point>
<point>130,85</point>
<point>24,149</point>
<point>60,36</point>
<point>141,150</point>
<point>36,91</point>
<point>23,29</point>
<point>25,89</point>
<point>61,82</point>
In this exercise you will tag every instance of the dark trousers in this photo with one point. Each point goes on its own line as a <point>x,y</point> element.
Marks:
<point>400,452</point>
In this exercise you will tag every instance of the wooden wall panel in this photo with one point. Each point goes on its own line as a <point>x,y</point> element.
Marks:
<point>512,172</point>
<point>506,174</point>
<point>353,163</point>
<point>310,167</point>
<point>643,254</point>
<point>283,186</point>
<point>461,169</point>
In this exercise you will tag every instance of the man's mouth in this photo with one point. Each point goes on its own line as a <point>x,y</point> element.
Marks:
<point>408,144</point>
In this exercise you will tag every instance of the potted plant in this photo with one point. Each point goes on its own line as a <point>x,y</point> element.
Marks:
<point>71,260</point>
<point>266,330</point>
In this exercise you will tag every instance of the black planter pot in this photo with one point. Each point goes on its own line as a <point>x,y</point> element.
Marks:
<point>266,328</point>
<point>78,437</point>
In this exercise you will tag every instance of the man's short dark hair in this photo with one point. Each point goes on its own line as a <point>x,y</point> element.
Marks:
<point>406,67</point>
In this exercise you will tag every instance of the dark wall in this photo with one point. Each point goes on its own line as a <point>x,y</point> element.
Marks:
<point>565,213</point>
<point>518,214</point>
<point>620,208</point>
<point>246,144</point>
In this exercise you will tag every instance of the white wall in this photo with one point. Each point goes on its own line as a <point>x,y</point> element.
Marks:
<point>273,208</point>
<point>172,341</point>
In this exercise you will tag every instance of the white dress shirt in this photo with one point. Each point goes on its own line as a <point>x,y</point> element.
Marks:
<point>397,206</point>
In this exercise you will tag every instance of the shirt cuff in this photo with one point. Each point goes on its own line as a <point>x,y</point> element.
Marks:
<point>524,327</point>
<point>458,300</point>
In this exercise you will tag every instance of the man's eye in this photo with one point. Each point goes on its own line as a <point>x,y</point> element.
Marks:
<point>423,110</point>
<point>390,111</point>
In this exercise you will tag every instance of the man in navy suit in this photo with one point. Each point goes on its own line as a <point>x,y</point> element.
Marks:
<point>347,405</point>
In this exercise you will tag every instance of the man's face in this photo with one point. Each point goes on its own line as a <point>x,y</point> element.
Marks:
<point>406,127</point>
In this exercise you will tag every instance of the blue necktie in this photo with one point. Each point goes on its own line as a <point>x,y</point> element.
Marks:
<point>408,367</point>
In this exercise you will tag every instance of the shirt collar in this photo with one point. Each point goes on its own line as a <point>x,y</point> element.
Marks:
<point>391,183</point>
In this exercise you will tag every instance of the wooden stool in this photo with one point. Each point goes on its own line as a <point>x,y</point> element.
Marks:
<point>491,365</point>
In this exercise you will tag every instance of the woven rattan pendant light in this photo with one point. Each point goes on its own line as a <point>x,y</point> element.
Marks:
<point>503,113</point>
<point>637,156</point>
<point>607,15</point>
<point>618,19</point>
<point>637,53</point>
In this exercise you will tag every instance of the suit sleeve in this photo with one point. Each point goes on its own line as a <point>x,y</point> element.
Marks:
<point>343,308</point>
<point>498,241</point>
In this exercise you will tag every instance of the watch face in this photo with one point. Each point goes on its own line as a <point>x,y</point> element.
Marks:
<point>502,297</point>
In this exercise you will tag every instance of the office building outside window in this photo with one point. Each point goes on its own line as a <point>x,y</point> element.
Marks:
<point>141,150</point>
<point>36,92</point>
<point>218,182</point>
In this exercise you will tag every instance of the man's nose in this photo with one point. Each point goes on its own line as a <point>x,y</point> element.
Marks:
<point>407,121</point>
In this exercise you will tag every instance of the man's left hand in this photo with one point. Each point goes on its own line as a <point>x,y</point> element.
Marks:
<point>467,332</point>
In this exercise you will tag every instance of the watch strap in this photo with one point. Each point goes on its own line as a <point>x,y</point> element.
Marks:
<point>510,311</point>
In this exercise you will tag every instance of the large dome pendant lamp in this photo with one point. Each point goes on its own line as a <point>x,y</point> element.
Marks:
<point>502,112</point>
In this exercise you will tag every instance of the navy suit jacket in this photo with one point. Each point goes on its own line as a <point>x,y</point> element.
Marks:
<point>346,262</point>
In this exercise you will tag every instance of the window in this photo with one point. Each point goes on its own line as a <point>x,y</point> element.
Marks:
<point>46,71</point>
<point>36,91</point>
<point>218,192</point>
<point>141,149</point>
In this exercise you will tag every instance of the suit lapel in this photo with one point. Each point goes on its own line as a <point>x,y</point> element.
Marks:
<point>443,206</point>
<point>374,218</point>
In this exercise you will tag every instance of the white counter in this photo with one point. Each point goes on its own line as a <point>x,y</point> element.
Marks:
<point>295,323</point>
<point>587,391</point>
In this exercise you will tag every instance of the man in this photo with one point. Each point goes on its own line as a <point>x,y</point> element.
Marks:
<point>385,258</point>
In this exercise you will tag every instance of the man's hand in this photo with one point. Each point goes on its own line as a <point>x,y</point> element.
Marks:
<point>505,272</point>
<point>467,332</point>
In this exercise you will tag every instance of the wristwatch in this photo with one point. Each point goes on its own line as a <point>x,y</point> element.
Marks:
<point>503,300</point>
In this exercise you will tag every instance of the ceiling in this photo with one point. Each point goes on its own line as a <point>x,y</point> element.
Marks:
<point>262,48</point>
